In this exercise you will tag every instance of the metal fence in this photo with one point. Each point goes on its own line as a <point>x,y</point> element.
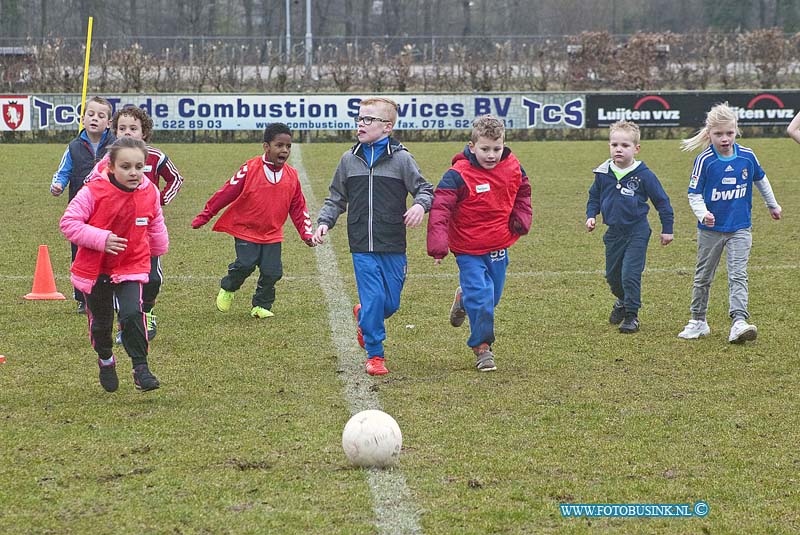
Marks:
<point>761,58</point>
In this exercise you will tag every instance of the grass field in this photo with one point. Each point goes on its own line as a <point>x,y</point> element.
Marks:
<point>244,435</point>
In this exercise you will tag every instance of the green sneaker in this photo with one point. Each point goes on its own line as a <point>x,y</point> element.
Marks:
<point>150,320</point>
<point>224,300</point>
<point>261,312</point>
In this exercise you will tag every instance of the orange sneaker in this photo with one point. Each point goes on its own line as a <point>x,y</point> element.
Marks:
<point>375,366</point>
<point>359,334</point>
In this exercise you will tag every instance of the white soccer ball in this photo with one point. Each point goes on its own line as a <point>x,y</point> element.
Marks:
<point>372,438</point>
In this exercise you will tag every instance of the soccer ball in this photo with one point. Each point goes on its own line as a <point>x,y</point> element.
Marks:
<point>372,438</point>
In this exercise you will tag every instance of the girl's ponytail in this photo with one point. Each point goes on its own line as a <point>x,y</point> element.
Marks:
<point>719,114</point>
<point>700,139</point>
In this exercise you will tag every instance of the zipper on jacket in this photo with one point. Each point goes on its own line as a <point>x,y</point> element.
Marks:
<point>387,153</point>
<point>369,216</point>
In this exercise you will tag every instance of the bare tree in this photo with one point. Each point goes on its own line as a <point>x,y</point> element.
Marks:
<point>247,5</point>
<point>366,7</point>
<point>465,5</point>
<point>211,18</point>
<point>43,18</point>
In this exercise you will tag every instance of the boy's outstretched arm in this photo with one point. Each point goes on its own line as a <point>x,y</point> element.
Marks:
<point>298,211</point>
<point>418,187</point>
<point>61,176</point>
<point>222,198</point>
<point>445,201</point>
<point>333,206</point>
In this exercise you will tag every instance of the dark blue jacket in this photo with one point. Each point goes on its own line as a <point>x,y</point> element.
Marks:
<point>79,159</point>
<point>624,202</point>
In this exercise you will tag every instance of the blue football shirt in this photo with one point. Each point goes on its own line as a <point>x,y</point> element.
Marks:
<point>726,184</point>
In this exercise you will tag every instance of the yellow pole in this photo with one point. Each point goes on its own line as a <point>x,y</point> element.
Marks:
<point>86,71</point>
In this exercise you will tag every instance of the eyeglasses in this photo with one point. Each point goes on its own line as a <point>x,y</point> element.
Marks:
<point>368,119</point>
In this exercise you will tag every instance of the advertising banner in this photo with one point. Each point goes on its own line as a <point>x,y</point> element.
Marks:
<point>669,109</point>
<point>519,110</point>
<point>323,112</point>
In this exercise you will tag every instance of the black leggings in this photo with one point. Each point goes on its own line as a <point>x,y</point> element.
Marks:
<point>100,310</point>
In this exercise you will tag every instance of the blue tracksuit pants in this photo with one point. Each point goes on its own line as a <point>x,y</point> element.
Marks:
<point>626,252</point>
<point>482,279</point>
<point>379,279</point>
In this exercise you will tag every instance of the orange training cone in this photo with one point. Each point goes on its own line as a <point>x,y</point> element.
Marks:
<point>44,284</point>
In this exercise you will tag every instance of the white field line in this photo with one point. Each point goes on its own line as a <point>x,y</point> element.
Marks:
<point>395,510</point>
<point>445,276</point>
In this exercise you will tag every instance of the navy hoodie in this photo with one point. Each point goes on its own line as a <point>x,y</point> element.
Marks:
<point>624,201</point>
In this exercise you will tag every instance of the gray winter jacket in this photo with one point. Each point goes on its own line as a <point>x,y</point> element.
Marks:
<point>376,198</point>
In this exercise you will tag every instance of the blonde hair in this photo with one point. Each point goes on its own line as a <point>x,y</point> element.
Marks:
<point>626,126</point>
<point>99,100</point>
<point>717,115</point>
<point>487,126</point>
<point>388,104</point>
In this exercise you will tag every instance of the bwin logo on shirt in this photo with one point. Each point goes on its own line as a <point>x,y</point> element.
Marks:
<point>729,194</point>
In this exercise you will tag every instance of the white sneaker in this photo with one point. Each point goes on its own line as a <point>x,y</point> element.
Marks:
<point>695,329</point>
<point>742,332</point>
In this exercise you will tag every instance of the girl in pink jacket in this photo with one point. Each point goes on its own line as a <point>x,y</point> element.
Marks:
<point>117,223</point>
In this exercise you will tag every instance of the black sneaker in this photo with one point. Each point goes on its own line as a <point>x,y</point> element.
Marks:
<point>108,376</point>
<point>143,380</point>
<point>630,325</point>
<point>617,314</point>
<point>81,307</point>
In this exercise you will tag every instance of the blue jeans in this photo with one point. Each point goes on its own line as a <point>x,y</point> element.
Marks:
<point>379,278</point>
<point>482,279</point>
<point>626,252</point>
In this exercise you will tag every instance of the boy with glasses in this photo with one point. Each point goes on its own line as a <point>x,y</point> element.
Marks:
<point>373,179</point>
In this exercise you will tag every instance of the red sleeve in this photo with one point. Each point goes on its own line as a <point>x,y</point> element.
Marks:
<point>299,214</point>
<point>444,203</point>
<point>173,179</point>
<point>522,214</point>
<point>224,196</point>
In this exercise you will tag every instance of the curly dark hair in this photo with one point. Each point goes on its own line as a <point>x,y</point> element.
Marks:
<point>136,113</point>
